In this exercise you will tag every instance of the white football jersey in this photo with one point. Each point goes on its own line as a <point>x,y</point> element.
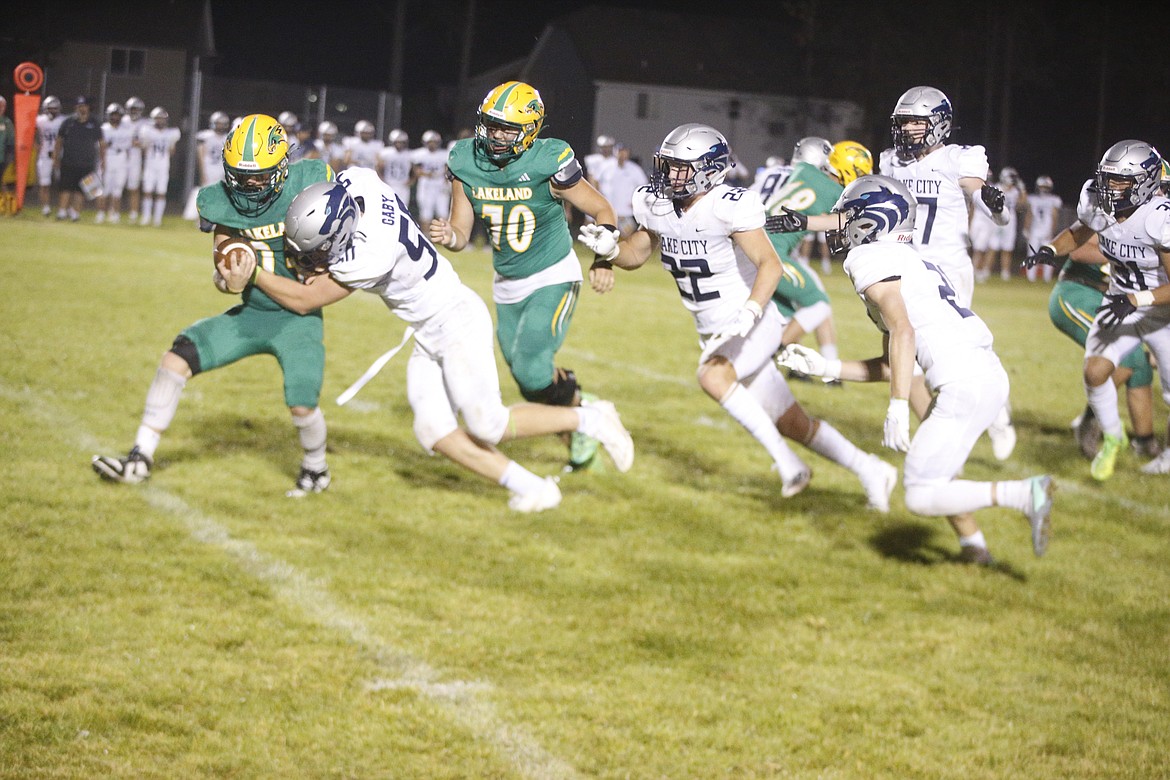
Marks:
<point>158,143</point>
<point>940,228</point>
<point>391,255</point>
<point>432,166</point>
<point>768,180</point>
<point>119,140</point>
<point>1131,245</point>
<point>594,163</point>
<point>396,165</point>
<point>713,275</point>
<point>47,129</point>
<point>363,154</point>
<point>211,154</point>
<point>1043,208</point>
<point>139,125</point>
<point>944,332</point>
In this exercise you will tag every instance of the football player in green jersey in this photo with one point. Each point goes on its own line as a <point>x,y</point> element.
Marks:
<point>517,186</point>
<point>247,208</point>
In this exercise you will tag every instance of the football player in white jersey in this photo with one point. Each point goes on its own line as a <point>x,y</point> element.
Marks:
<point>911,301</point>
<point>328,147</point>
<point>1040,223</point>
<point>117,141</point>
<point>361,148</point>
<point>1003,237</point>
<point>356,234</point>
<point>48,123</point>
<point>947,180</point>
<point>396,164</point>
<point>157,142</point>
<point>209,152</point>
<point>432,191</point>
<point>712,241</point>
<point>1123,206</point>
<point>597,160</point>
<point>138,120</point>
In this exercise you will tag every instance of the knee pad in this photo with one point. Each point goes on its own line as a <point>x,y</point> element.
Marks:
<point>811,317</point>
<point>769,388</point>
<point>487,421</point>
<point>185,348</point>
<point>560,393</point>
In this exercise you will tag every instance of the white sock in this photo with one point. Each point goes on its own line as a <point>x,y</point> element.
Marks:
<point>830,443</point>
<point>146,440</point>
<point>147,206</point>
<point>1103,399</point>
<point>1015,494</point>
<point>956,497</point>
<point>746,411</point>
<point>160,205</point>
<point>588,420</point>
<point>311,431</point>
<point>162,400</point>
<point>974,540</point>
<point>519,479</point>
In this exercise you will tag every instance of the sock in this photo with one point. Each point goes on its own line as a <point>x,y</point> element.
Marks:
<point>311,430</point>
<point>1016,494</point>
<point>1103,399</point>
<point>160,205</point>
<point>588,420</point>
<point>956,497</point>
<point>519,479</point>
<point>162,400</point>
<point>746,411</point>
<point>830,443</point>
<point>974,540</point>
<point>147,205</point>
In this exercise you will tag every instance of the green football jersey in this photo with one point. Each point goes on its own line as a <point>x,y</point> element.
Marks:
<point>526,224</point>
<point>264,232</point>
<point>807,190</point>
<point>1088,274</point>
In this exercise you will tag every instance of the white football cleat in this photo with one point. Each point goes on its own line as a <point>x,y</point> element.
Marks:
<point>1039,511</point>
<point>309,481</point>
<point>1159,465</point>
<point>130,470</point>
<point>1003,440</point>
<point>547,497</point>
<point>613,435</point>
<point>879,481</point>
<point>795,483</point>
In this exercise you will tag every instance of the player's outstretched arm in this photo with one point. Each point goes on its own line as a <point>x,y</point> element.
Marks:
<point>316,292</point>
<point>453,233</point>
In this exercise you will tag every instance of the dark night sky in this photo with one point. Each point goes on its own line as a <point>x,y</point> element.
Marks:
<point>1041,118</point>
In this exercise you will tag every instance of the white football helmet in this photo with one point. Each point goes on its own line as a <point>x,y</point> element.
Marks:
<point>1128,175</point>
<point>289,120</point>
<point>431,137</point>
<point>1044,183</point>
<point>327,131</point>
<point>692,159</point>
<point>815,151</point>
<point>1009,177</point>
<point>921,104</point>
<point>135,107</point>
<point>319,227</point>
<point>364,129</point>
<point>398,136</point>
<point>219,122</point>
<point>605,141</point>
<point>52,105</point>
<point>875,208</point>
<point>774,162</point>
<point>159,115</point>
<point>114,109</point>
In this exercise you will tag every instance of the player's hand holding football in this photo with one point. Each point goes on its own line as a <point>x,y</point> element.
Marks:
<point>235,261</point>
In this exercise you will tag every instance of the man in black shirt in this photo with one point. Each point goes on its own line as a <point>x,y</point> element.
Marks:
<point>75,157</point>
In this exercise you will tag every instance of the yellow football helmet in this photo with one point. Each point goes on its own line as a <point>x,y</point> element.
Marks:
<point>850,160</point>
<point>1164,186</point>
<point>514,113</point>
<point>255,161</point>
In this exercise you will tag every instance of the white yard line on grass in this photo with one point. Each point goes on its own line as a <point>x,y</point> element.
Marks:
<point>460,699</point>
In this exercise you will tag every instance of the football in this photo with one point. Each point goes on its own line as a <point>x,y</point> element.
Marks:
<point>236,250</point>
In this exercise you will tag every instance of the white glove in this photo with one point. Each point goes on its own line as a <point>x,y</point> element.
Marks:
<point>896,435</point>
<point>804,360</point>
<point>602,239</point>
<point>745,320</point>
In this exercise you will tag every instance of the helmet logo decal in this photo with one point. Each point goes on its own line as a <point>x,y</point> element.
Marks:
<point>885,207</point>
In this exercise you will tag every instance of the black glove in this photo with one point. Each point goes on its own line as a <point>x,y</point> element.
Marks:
<point>1114,309</point>
<point>788,222</point>
<point>993,197</point>
<point>1045,255</point>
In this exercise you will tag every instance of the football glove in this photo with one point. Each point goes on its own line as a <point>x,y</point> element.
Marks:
<point>744,321</point>
<point>992,197</point>
<point>602,239</point>
<point>896,435</point>
<point>804,360</point>
<point>1114,309</point>
<point>788,221</point>
<point>1045,255</point>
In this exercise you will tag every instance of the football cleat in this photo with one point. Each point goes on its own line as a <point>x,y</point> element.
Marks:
<point>613,435</point>
<point>130,470</point>
<point>1003,440</point>
<point>548,496</point>
<point>309,481</point>
<point>879,481</point>
<point>582,448</point>
<point>1159,465</point>
<point>976,554</point>
<point>794,484</point>
<point>1145,446</point>
<point>1102,466</point>
<point>1088,433</point>
<point>1040,512</point>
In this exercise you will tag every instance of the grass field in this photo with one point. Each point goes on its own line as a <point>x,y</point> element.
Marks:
<point>679,621</point>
